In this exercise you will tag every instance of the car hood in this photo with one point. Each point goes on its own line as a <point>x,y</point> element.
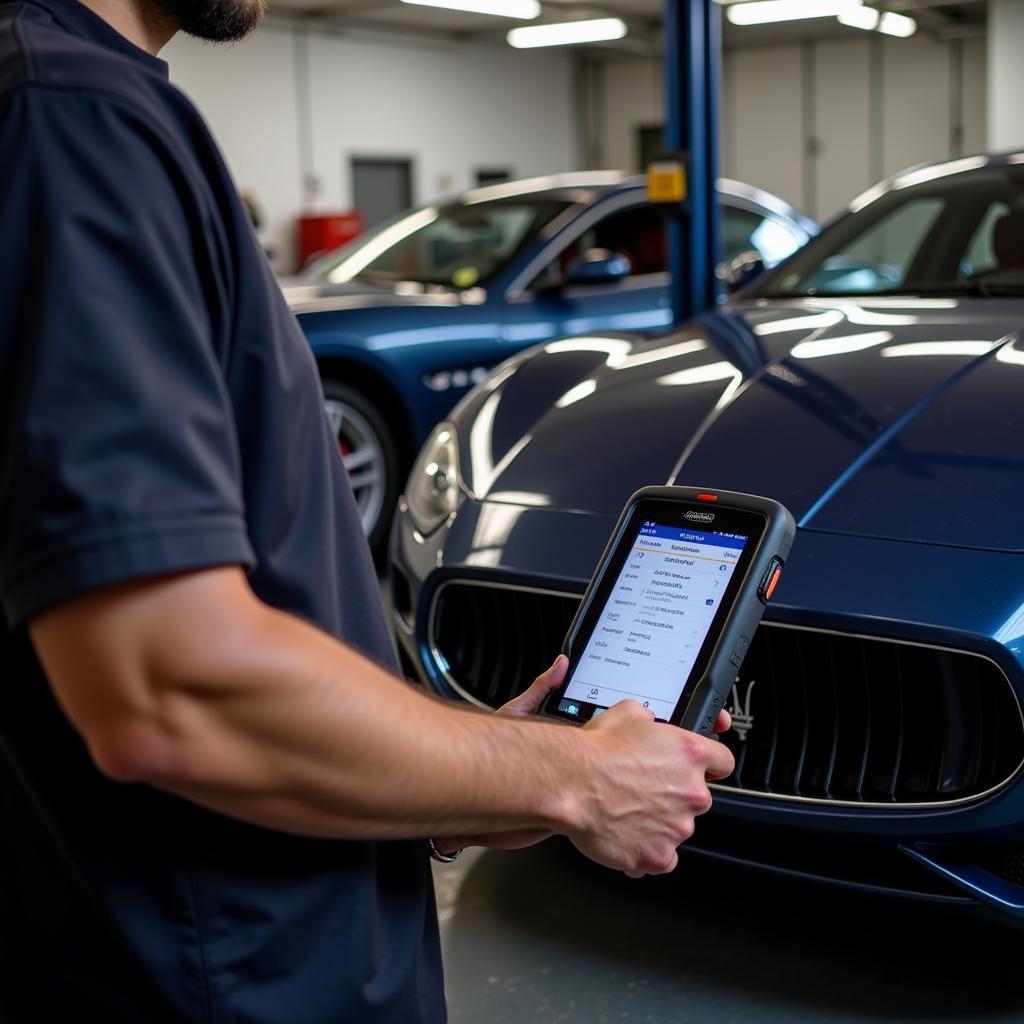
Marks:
<point>896,419</point>
<point>303,297</point>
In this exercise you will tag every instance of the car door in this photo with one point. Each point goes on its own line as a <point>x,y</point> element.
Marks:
<point>549,305</point>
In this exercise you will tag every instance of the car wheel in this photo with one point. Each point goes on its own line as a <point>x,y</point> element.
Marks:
<point>368,451</point>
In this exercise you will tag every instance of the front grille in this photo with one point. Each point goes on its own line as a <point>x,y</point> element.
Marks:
<point>497,640</point>
<point>828,717</point>
<point>855,719</point>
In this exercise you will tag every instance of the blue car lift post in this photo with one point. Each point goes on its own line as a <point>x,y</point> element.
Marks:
<point>693,58</point>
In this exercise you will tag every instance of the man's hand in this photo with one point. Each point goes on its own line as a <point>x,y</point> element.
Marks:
<point>649,783</point>
<point>528,703</point>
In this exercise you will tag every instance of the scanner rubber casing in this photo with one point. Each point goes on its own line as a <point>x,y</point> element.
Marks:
<point>711,691</point>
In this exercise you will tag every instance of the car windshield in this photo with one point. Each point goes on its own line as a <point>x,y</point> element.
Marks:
<point>957,235</point>
<point>458,246</point>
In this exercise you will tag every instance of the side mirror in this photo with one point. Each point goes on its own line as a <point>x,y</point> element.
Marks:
<point>599,266</point>
<point>741,270</point>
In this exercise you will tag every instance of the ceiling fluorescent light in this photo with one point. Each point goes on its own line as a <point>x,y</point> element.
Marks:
<point>765,12</point>
<point>566,33</point>
<point>893,24</point>
<point>525,10</point>
<point>860,17</point>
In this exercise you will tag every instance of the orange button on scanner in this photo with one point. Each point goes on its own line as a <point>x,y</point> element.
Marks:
<point>770,579</point>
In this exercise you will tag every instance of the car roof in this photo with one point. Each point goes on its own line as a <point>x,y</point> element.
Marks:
<point>919,174</point>
<point>586,186</point>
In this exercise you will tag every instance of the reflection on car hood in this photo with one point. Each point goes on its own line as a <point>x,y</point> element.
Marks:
<point>304,297</point>
<point>896,418</point>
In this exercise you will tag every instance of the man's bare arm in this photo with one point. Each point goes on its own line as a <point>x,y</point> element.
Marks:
<point>192,684</point>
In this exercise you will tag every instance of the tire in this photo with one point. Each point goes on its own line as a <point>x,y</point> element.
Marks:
<point>371,457</point>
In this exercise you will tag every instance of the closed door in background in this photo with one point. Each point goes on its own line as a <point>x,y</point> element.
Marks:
<point>381,187</point>
<point>492,176</point>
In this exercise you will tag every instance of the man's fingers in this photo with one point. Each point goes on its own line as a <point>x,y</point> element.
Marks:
<point>720,762</point>
<point>672,865</point>
<point>529,701</point>
<point>724,721</point>
<point>655,867</point>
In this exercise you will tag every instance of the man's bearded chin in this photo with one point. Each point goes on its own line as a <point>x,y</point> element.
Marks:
<point>219,21</point>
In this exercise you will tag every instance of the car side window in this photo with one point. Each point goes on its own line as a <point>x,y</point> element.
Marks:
<point>747,231</point>
<point>982,256</point>
<point>638,233</point>
<point>876,259</point>
<point>738,230</point>
<point>892,244</point>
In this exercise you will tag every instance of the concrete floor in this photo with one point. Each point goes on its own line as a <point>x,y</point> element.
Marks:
<point>542,935</point>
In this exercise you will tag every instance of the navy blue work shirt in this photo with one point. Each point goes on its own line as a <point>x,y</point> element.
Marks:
<point>160,411</point>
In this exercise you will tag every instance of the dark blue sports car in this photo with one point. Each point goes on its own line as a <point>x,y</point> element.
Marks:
<point>406,319</point>
<point>874,383</point>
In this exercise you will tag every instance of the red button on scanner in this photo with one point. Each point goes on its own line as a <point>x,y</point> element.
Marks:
<point>770,580</point>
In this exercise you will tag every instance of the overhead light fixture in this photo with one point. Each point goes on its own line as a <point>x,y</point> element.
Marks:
<point>868,18</point>
<point>860,17</point>
<point>525,10</point>
<point>893,24</point>
<point>765,12</point>
<point>598,30</point>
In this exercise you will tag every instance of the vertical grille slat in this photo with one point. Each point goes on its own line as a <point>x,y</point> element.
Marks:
<point>833,680</point>
<point>804,709</point>
<point>865,754</point>
<point>773,719</point>
<point>519,670</point>
<point>894,784</point>
<point>833,717</point>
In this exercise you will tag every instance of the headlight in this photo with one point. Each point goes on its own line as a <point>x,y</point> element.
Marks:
<point>433,488</point>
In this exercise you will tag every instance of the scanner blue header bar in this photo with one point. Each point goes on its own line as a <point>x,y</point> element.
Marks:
<point>722,540</point>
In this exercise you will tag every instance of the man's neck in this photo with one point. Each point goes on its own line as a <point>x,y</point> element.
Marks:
<point>139,21</point>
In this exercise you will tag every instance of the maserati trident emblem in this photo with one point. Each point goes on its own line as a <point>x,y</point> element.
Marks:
<point>742,716</point>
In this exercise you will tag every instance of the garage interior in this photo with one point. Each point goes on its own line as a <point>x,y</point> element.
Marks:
<point>338,115</point>
<point>845,109</point>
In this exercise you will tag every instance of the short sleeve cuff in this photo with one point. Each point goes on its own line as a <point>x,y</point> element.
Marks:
<point>150,549</point>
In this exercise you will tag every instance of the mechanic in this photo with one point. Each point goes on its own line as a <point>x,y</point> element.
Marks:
<point>216,793</point>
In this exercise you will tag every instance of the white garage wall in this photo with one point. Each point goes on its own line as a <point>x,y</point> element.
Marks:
<point>916,102</point>
<point>247,95</point>
<point>838,115</point>
<point>766,138</point>
<point>291,107</point>
<point>1006,74</point>
<point>452,107</point>
<point>973,107</point>
<point>633,98</point>
<point>841,126</point>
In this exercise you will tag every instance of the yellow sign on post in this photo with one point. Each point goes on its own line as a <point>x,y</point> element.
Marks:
<point>666,181</point>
